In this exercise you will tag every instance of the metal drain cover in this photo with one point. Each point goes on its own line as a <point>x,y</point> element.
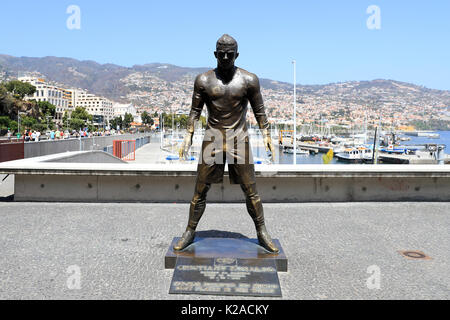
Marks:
<point>415,255</point>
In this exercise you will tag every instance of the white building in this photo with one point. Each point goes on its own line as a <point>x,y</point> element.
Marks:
<point>121,108</point>
<point>100,108</point>
<point>46,92</point>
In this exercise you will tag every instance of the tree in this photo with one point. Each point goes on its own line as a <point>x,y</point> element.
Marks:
<point>116,122</point>
<point>4,122</point>
<point>20,88</point>
<point>127,120</point>
<point>146,118</point>
<point>77,124</point>
<point>65,120</point>
<point>80,119</point>
<point>13,126</point>
<point>81,113</point>
<point>46,109</point>
<point>28,122</point>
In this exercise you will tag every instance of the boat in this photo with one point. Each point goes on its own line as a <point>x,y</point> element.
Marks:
<point>434,136</point>
<point>398,149</point>
<point>426,154</point>
<point>259,160</point>
<point>359,154</point>
<point>299,151</point>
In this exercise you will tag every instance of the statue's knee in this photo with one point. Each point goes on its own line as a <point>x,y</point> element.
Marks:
<point>250,191</point>
<point>201,191</point>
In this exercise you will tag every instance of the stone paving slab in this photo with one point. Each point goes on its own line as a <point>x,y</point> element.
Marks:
<point>334,249</point>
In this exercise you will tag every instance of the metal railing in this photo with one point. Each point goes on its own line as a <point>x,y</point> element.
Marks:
<point>125,149</point>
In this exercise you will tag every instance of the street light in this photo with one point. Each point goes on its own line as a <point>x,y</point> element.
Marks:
<point>47,117</point>
<point>295,113</point>
<point>18,122</point>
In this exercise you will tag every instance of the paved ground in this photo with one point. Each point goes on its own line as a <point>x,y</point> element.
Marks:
<point>119,248</point>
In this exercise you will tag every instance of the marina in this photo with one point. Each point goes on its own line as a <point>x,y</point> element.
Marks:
<point>416,149</point>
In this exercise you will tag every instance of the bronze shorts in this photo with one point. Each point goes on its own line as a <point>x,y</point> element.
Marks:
<point>238,173</point>
<point>241,169</point>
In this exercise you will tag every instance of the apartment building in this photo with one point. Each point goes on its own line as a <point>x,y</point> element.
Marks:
<point>100,108</point>
<point>48,92</point>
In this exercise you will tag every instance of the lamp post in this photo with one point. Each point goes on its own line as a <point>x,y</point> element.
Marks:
<point>47,117</point>
<point>18,122</point>
<point>161,123</point>
<point>295,113</point>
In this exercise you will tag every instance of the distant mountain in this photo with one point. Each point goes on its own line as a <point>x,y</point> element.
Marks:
<point>102,79</point>
<point>132,84</point>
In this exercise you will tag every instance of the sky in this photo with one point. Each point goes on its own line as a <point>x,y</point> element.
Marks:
<point>331,41</point>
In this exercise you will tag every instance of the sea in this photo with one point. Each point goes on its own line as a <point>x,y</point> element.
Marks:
<point>284,158</point>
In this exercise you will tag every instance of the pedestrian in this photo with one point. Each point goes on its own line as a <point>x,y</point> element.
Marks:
<point>33,136</point>
<point>58,134</point>
<point>26,136</point>
<point>38,136</point>
<point>52,135</point>
<point>9,134</point>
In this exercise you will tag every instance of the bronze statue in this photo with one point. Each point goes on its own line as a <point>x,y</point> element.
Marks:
<point>226,92</point>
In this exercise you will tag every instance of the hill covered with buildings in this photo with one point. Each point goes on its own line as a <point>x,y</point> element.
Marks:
<point>165,87</point>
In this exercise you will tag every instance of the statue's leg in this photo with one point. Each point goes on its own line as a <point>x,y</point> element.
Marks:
<point>198,205</point>
<point>255,209</point>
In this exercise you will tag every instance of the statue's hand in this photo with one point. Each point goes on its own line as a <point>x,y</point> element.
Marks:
<point>185,146</point>
<point>269,146</point>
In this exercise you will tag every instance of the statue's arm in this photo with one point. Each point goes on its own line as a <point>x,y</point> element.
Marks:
<point>256,101</point>
<point>197,105</point>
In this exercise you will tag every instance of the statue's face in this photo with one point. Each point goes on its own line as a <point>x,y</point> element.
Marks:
<point>226,56</point>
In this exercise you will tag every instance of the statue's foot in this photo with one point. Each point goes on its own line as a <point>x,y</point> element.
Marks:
<point>266,241</point>
<point>186,239</point>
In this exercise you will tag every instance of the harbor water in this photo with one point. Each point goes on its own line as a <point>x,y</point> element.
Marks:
<point>285,158</point>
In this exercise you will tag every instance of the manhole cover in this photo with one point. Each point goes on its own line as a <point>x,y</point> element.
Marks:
<point>416,255</point>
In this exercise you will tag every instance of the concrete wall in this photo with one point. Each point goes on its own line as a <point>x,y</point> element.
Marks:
<point>85,157</point>
<point>160,187</point>
<point>46,147</point>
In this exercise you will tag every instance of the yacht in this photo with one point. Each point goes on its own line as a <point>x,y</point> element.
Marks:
<point>355,155</point>
<point>290,150</point>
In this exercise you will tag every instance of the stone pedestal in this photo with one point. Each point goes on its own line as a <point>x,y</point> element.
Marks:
<point>226,266</point>
<point>240,248</point>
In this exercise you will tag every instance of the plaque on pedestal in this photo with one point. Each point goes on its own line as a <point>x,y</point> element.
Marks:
<point>239,248</point>
<point>226,276</point>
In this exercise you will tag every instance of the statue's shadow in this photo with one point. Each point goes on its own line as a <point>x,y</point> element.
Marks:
<point>219,234</point>
<point>216,237</point>
<point>218,243</point>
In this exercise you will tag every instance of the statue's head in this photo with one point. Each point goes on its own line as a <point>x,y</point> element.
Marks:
<point>226,51</point>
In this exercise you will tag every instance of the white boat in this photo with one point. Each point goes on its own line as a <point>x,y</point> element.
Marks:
<point>290,150</point>
<point>355,155</point>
